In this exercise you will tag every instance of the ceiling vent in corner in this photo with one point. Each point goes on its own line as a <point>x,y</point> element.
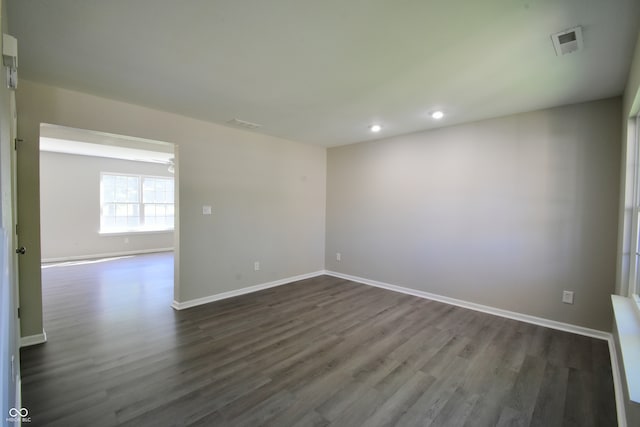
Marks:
<point>243,124</point>
<point>567,41</point>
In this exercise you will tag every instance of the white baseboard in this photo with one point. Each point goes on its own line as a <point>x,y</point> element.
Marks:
<point>18,402</point>
<point>230,294</point>
<point>33,339</point>
<point>567,327</point>
<point>105,255</point>
<point>617,384</point>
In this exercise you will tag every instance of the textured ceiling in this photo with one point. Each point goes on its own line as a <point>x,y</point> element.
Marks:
<point>323,71</point>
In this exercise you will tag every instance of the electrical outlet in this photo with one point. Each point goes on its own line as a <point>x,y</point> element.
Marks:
<point>338,256</point>
<point>206,210</point>
<point>567,297</point>
<point>256,266</point>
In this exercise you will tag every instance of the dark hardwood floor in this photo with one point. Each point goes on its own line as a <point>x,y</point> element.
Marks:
<point>322,351</point>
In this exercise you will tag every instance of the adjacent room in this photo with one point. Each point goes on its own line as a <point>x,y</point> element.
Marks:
<point>104,200</point>
<point>104,195</point>
<point>237,213</point>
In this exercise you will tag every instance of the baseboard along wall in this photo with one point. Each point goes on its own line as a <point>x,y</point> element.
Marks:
<point>105,255</point>
<point>237,292</point>
<point>547,323</point>
<point>33,339</point>
<point>553,324</point>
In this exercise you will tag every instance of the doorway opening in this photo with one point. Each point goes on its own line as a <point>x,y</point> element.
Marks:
<point>108,218</point>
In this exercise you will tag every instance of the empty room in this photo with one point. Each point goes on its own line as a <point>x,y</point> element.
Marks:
<point>342,213</point>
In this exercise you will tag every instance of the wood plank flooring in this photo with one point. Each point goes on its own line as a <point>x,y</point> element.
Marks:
<point>319,352</point>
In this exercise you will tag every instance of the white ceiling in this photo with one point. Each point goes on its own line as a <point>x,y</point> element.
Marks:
<point>323,71</point>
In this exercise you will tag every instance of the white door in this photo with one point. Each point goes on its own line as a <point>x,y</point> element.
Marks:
<point>14,202</point>
<point>10,356</point>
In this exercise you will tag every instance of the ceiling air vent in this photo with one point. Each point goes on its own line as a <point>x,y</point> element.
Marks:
<point>567,41</point>
<point>243,124</point>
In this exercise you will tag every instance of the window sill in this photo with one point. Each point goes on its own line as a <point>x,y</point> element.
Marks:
<point>134,232</point>
<point>628,328</point>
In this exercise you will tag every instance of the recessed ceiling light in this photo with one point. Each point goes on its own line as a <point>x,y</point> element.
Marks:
<point>375,128</point>
<point>437,115</point>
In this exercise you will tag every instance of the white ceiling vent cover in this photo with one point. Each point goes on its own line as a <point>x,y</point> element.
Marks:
<point>243,124</point>
<point>567,41</point>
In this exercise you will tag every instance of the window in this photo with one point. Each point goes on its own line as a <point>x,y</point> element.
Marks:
<point>634,285</point>
<point>135,203</point>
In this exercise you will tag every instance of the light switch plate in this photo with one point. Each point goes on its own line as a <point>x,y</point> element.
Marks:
<point>206,210</point>
<point>567,297</point>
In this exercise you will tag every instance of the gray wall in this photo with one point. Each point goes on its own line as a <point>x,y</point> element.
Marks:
<point>506,212</point>
<point>70,207</point>
<point>267,193</point>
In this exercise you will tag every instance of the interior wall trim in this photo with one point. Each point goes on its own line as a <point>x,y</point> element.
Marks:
<point>553,324</point>
<point>30,340</point>
<point>105,255</point>
<point>617,383</point>
<point>236,292</point>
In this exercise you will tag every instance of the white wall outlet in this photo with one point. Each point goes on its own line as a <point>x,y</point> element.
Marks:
<point>567,297</point>
<point>126,240</point>
<point>338,256</point>
<point>206,210</point>
<point>256,266</point>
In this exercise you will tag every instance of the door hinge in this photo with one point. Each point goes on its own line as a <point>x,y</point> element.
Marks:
<point>15,142</point>
<point>17,229</point>
<point>18,312</point>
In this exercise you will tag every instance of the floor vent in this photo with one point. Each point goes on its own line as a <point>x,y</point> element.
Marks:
<point>567,41</point>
